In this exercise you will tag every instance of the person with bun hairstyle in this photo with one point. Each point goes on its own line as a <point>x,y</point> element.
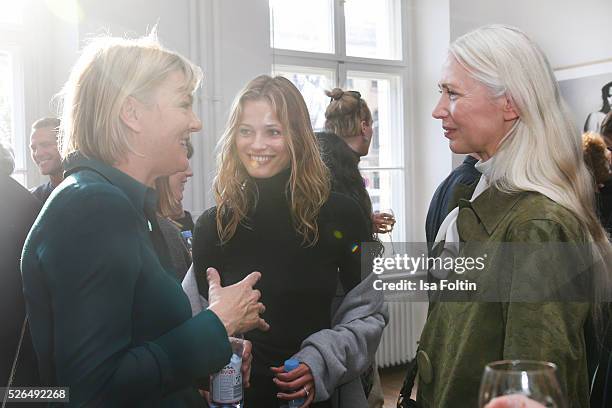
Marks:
<point>348,116</point>
<point>275,213</point>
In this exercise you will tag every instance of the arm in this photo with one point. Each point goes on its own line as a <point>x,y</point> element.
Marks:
<point>340,354</point>
<point>92,266</point>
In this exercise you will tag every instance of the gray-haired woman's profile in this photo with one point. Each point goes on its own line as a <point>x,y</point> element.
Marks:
<point>594,119</point>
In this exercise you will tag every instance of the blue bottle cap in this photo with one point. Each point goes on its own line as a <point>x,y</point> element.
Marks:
<point>186,234</point>
<point>291,364</point>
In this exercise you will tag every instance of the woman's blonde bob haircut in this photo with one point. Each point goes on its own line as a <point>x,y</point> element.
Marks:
<point>109,70</point>
<point>308,186</point>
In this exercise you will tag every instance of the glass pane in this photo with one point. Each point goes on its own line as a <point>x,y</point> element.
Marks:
<point>6,99</point>
<point>373,28</point>
<point>302,25</point>
<point>386,148</point>
<point>312,83</point>
<point>11,12</point>
<point>386,189</point>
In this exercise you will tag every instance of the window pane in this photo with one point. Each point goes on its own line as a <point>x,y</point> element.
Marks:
<point>11,12</point>
<point>6,99</point>
<point>312,83</point>
<point>386,189</point>
<point>386,148</point>
<point>373,28</point>
<point>302,25</point>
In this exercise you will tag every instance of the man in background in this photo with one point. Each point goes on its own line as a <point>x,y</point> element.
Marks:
<point>43,147</point>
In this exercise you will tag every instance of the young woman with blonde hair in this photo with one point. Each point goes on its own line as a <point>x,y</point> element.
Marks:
<point>275,213</point>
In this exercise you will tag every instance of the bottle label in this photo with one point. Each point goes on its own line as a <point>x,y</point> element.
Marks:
<point>226,385</point>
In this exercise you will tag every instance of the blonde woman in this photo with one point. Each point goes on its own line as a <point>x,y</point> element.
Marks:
<point>107,317</point>
<point>349,117</point>
<point>499,99</point>
<point>275,214</point>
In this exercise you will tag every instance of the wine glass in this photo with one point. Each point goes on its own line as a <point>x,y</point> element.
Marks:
<point>389,225</point>
<point>531,380</point>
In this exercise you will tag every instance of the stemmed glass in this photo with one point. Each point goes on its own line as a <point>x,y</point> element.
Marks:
<point>389,225</point>
<point>532,381</point>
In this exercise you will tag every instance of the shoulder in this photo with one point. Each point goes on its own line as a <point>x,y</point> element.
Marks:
<point>208,217</point>
<point>341,206</point>
<point>87,196</point>
<point>537,214</point>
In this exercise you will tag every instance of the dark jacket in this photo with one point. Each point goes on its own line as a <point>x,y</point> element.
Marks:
<point>343,165</point>
<point>108,317</point>
<point>18,210</point>
<point>465,174</point>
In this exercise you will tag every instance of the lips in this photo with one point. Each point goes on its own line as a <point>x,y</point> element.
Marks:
<point>448,131</point>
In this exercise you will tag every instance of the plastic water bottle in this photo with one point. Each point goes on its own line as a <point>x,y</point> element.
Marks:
<point>226,385</point>
<point>188,238</point>
<point>291,365</point>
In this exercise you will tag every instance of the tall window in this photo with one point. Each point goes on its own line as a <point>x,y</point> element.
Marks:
<point>356,45</point>
<point>12,128</point>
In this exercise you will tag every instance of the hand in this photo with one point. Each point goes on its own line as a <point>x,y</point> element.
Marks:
<point>297,383</point>
<point>513,401</point>
<point>247,359</point>
<point>237,306</point>
<point>382,222</point>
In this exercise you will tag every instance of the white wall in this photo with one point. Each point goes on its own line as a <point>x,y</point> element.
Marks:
<point>569,31</point>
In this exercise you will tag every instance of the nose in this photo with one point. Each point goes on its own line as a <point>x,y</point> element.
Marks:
<point>440,110</point>
<point>259,142</point>
<point>196,124</point>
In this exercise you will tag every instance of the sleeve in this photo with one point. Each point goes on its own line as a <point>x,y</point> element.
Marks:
<point>338,355</point>
<point>541,329</point>
<point>206,249</point>
<point>92,268</point>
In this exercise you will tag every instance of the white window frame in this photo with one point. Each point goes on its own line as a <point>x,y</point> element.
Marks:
<point>383,68</point>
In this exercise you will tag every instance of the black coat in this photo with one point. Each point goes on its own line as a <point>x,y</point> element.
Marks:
<point>18,210</point>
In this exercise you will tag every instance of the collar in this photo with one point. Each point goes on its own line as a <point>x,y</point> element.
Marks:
<point>491,206</point>
<point>140,195</point>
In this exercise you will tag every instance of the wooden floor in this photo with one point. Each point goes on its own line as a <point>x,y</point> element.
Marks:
<point>392,379</point>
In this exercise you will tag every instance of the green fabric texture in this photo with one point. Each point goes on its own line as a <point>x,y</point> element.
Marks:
<point>108,319</point>
<point>460,338</point>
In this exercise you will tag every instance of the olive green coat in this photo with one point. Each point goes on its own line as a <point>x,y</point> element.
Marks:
<point>460,338</point>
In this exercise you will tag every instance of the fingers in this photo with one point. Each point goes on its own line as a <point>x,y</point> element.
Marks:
<point>252,278</point>
<point>292,375</point>
<point>263,325</point>
<point>214,280</point>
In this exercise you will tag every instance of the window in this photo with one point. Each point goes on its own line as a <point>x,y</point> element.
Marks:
<point>12,118</point>
<point>302,25</point>
<point>373,28</point>
<point>312,83</point>
<point>357,45</point>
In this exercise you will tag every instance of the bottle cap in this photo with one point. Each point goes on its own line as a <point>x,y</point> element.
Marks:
<point>186,234</point>
<point>291,364</point>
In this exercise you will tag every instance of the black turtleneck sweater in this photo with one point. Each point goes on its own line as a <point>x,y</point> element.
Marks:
<point>298,283</point>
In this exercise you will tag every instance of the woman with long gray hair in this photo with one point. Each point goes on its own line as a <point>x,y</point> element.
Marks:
<point>499,99</point>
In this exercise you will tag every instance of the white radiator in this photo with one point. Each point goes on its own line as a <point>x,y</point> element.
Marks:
<point>399,340</point>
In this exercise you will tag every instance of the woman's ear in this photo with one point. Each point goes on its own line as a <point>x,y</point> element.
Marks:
<point>510,111</point>
<point>130,114</point>
<point>364,126</point>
